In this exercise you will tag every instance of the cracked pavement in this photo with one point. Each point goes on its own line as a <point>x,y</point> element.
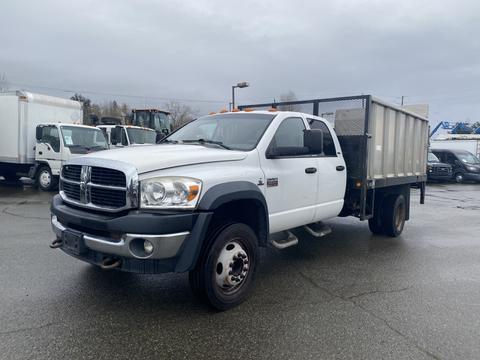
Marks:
<point>349,295</point>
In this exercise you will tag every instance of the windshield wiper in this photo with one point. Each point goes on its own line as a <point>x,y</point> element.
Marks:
<point>168,141</point>
<point>205,141</point>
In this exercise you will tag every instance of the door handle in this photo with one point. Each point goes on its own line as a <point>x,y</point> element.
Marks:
<point>310,170</point>
<point>340,168</point>
<point>40,153</point>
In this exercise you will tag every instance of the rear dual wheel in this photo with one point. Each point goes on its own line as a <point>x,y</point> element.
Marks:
<point>225,272</point>
<point>390,220</point>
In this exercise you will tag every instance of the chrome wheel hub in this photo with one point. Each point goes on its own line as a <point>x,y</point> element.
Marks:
<point>232,267</point>
<point>45,179</point>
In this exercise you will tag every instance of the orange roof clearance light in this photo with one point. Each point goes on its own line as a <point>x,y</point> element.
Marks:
<point>272,109</point>
<point>223,111</point>
<point>248,110</point>
<point>235,110</point>
<point>212,113</point>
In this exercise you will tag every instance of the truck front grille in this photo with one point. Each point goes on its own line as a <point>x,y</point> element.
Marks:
<point>109,177</point>
<point>72,172</point>
<point>97,187</point>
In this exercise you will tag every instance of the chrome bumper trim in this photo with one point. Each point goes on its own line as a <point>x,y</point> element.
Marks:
<point>165,245</point>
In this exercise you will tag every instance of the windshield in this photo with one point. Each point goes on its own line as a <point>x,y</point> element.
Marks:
<point>468,158</point>
<point>141,136</point>
<point>239,131</point>
<point>82,137</point>
<point>432,157</point>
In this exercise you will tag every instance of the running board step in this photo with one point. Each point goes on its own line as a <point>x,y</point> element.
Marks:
<point>318,229</point>
<point>283,239</point>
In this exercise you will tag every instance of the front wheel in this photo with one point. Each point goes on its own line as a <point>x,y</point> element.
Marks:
<point>224,274</point>
<point>459,178</point>
<point>45,180</point>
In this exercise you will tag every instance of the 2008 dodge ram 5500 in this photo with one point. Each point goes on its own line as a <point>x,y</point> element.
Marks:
<point>217,189</point>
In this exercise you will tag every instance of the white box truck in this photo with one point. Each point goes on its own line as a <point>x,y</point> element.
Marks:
<point>217,189</point>
<point>39,133</point>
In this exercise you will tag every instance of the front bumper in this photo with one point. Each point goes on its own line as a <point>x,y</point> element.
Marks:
<point>176,237</point>
<point>164,246</point>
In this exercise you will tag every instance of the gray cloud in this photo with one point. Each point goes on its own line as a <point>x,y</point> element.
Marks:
<point>426,50</point>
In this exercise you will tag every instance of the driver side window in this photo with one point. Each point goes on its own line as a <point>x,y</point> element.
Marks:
<point>51,136</point>
<point>289,133</point>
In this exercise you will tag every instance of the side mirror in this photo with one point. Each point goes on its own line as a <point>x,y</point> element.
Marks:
<point>116,135</point>
<point>166,131</point>
<point>313,140</point>
<point>283,151</point>
<point>38,133</point>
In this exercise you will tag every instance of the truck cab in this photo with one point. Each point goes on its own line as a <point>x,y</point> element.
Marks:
<point>128,135</point>
<point>57,143</point>
<point>155,119</point>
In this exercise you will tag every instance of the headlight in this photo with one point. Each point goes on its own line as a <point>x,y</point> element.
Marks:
<point>472,168</point>
<point>169,192</point>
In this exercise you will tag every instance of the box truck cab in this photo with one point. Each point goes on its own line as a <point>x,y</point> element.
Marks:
<point>127,135</point>
<point>57,143</point>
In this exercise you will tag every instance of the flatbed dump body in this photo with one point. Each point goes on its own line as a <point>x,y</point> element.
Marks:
<point>383,145</point>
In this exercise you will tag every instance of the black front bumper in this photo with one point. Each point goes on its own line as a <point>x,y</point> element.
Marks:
<point>136,222</point>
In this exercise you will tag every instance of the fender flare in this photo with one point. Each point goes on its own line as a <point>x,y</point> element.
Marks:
<point>215,197</point>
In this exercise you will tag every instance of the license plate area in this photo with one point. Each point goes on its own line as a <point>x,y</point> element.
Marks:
<point>73,242</point>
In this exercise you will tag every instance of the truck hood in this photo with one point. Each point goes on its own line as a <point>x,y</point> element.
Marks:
<point>158,157</point>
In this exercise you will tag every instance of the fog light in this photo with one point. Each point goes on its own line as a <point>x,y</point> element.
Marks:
<point>148,247</point>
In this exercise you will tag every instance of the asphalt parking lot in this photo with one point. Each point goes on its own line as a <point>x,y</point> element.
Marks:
<point>349,295</point>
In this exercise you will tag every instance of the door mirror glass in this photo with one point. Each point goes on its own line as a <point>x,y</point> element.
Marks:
<point>38,133</point>
<point>313,140</point>
<point>115,135</point>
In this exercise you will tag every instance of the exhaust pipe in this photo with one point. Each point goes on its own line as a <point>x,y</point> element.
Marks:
<point>109,263</point>
<point>56,244</point>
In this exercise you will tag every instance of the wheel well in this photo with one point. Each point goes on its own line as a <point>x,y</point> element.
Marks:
<point>247,211</point>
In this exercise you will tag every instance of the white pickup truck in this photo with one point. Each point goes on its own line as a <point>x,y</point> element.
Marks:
<point>226,184</point>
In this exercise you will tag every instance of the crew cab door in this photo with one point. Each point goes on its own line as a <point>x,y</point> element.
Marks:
<point>291,182</point>
<point>332,173</point>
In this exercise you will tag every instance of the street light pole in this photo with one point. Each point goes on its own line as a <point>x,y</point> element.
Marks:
<point>240,85</point>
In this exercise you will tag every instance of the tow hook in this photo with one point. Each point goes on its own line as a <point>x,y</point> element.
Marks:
<point>109,263</point>
<point>56,244</point>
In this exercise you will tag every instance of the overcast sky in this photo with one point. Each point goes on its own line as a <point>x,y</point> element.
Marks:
<point>428,51</point>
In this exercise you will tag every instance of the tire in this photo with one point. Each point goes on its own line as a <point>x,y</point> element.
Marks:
<point>375,225</point>
<point>225,272</point>
<point>394,210</point>
<point>45,180</point>
<point>458,177</point>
